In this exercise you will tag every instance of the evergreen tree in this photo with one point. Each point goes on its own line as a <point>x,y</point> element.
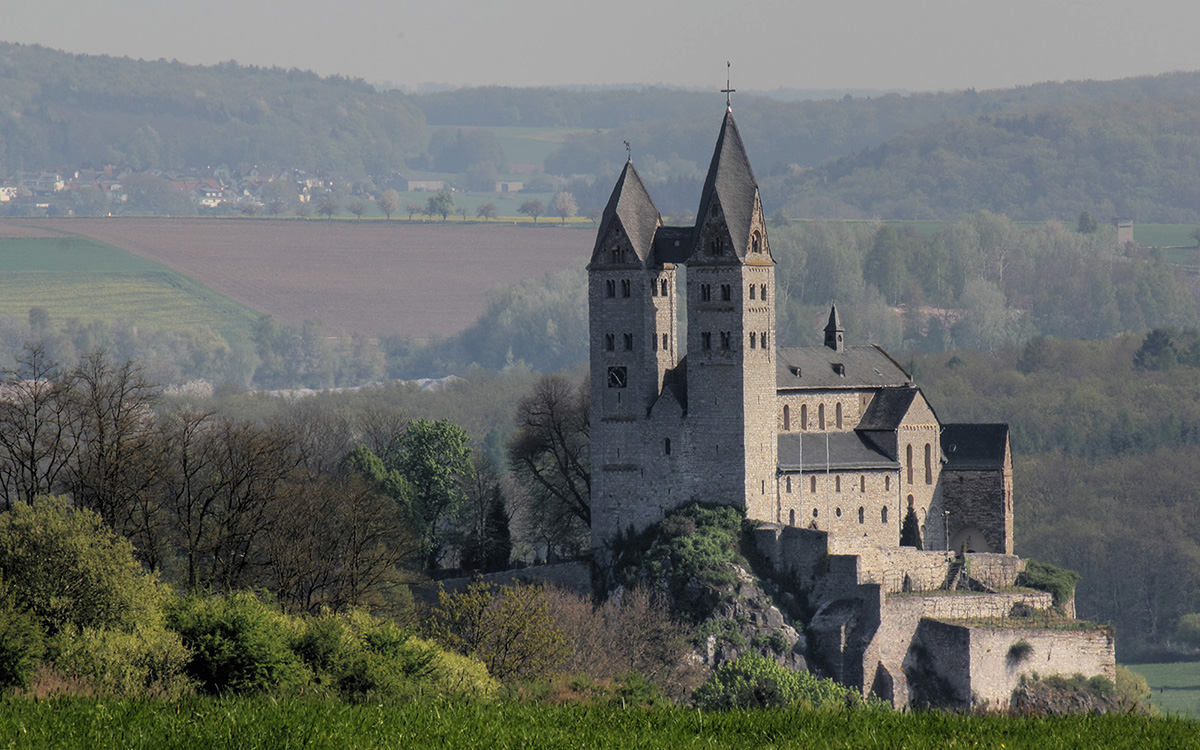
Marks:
<point>497,537</point>
<point>910,532</point>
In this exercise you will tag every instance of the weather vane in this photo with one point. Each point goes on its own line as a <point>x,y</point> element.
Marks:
<point>727,90</point>
<point>628,151</point>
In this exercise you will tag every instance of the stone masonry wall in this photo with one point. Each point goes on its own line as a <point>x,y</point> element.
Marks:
<point>976,666</point>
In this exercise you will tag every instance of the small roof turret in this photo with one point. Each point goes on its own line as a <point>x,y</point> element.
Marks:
<point>834,333</point>
<point>629,218</point>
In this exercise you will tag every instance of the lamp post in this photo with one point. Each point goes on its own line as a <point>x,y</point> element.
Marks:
<point>946,526</point>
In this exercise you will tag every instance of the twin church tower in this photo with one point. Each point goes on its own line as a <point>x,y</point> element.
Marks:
<point>666,427</point>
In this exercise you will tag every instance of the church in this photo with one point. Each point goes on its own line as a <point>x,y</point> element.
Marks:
<point>691,400</point>
<point>827,448</point>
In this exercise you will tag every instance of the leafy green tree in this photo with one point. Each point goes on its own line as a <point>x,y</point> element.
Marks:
<point>441,204</point>
<point>486,211</point>
<point>434,457</point>
<point>1157,351</point>
<point>534,208</point>
<point>389,203</point>
<point>21,644</point>
<point>68,569</point>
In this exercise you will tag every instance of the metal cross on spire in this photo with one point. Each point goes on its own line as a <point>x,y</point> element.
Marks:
<point>727,90</point>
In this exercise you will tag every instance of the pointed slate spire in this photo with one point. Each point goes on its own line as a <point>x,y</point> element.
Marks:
<point>834,333</point>
<point>629,208</point>
<point>731,184</point>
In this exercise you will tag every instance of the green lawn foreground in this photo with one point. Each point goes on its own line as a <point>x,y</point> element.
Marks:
<point>77,277</point>
<point>251,724</point>
<point>1174,687</point>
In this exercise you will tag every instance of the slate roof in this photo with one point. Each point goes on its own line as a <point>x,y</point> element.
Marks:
<point>974,446</point>
<point>847,451</point>
<point>673,244</point>
<point>731,180</point>
<point>861,367</point>
<point>887,409</point>
<point>630,203</point>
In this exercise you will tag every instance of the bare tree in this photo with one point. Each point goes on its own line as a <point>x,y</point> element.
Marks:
<point>533,208</point>
<point>37,427</point>
<point>549,454</point>
<point>357,207</point>
<point>486,211</point>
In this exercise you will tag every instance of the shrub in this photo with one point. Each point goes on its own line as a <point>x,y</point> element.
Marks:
<point>20,644</point>
<point>754,681</point>
<point>1060,582</point>
<point>149,662</point>
<point>67,568</point>
<point>1019,652</point>
<point>508,628</point>
<point>1187,630</point>
<point>239,644</point>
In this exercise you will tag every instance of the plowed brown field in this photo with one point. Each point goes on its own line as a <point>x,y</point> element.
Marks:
<point>369,277</point>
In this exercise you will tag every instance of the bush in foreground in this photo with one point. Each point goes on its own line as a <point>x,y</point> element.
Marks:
<point>754,681</point>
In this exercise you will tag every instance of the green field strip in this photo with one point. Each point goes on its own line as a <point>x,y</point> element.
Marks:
<point>1174,687</point>
<point>77,277</point>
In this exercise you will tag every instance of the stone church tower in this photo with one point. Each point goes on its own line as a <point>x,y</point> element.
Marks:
<point>666,428</point>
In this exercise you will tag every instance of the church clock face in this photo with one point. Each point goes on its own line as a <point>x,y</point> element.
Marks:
<point>617,377</point>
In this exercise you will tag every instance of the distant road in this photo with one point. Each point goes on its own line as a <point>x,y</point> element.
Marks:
<point>370,277</point>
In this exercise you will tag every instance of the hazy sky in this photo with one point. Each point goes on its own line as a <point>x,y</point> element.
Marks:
<point>876,44</point>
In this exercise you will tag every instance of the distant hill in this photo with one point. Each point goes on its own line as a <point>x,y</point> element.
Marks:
<point>1043,151</point>
<point>60,109</point>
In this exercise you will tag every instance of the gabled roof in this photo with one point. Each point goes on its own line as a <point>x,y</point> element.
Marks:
<point>974,446</point>
<point>806,451</point>
<point>731,182</point>
<point>630,205</point>
<point>822,367</point>
<point>887,410</point>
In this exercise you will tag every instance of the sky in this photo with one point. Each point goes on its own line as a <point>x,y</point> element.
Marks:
<point>914,45</point>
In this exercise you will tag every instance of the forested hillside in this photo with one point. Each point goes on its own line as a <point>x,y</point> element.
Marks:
<point>1106,439</point>
<point>58,109</point>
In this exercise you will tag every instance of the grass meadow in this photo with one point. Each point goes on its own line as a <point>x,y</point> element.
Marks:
<point>1174,688</point>
<point>261,723</point>
<point>77,277</point>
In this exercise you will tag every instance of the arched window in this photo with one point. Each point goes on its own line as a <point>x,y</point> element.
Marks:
<point>803,416</point>
<point>821,416</point>
<point>756,243</point>
<point>666,446</point>
<point>862,515</point>
<point>837,483</point>
<point>908,455</point>
<point>792,517</point>
<point>664,287</point>
<point>626,288</point>
<point>762,292</point>
<point>838,410</point>
<point>862,482</point>
<point>751,291</point>
<point>887,484</point>
<point>752,339</point>
<point>666,342</point>
<point>789,485</point>
<point>837,512</point>
<point>787,418</point>
<point>883,514</point>
<point>610,341</point>
<point>928,464</point>
<point>610,288</point>
<point>812,485</point>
